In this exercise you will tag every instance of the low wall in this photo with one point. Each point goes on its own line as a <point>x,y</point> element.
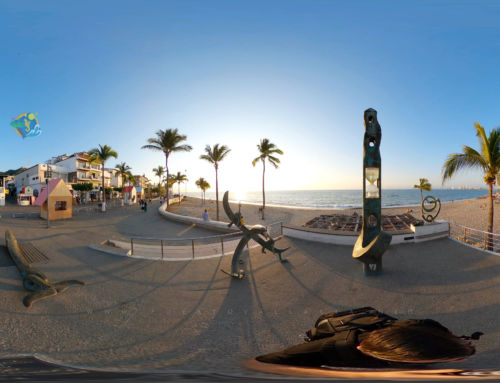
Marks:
<point>430,231</point>
<point>211,225</point>
<point>426,232</point>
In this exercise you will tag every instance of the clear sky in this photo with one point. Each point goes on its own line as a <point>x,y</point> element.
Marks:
<point>300,73</point>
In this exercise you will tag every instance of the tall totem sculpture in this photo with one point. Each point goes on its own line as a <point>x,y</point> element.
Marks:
<point>372,242</point>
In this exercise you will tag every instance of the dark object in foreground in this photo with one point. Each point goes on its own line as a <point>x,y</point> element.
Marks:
<point>33,279</point>
<point>367,338</point>
<point>258,233</point>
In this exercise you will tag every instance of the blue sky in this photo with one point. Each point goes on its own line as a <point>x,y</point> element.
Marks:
<point>300,73</point>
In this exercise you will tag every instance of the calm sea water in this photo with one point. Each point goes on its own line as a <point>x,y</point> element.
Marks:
<point>343,199</point>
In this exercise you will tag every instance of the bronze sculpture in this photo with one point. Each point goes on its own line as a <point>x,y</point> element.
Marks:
<point>435,204</point>
<point>258,233</point>
<point>33,279</point>
<point>372,242</point>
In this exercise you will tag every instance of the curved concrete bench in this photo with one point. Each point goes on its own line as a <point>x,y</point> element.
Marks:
<point>211,225</point>
<point>427,232</point>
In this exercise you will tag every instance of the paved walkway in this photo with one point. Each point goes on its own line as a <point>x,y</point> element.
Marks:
<point>141,314</point>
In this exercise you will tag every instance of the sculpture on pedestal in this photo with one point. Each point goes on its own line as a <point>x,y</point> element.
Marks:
<point>33,279</point>
<point>258,233</point>
<point>372,242</point>
<point>435,204</point>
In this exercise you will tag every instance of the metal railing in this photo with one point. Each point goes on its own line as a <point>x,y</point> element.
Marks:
<point>477,238</point>
<point>190,248</point>
<point>95,207</point>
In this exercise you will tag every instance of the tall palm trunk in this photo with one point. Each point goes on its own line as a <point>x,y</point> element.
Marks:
<point>490,219</point>
<point>421,200</point>
<point>168,176</point>
<point>263,189</point>
<point>103,191</point>
<point>123,184</point>
<point>179,190</point>
<point>217,191</point>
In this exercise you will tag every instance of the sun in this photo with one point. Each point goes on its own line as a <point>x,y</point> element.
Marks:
<point>238,195</point>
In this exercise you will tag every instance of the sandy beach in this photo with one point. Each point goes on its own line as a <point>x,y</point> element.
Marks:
<point>472,213</point>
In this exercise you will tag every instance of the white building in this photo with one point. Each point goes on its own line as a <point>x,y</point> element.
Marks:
<point>36,177</point>
<point>80,169</point>
<point>115,178</point>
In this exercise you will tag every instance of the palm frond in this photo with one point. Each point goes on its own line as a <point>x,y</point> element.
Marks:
<point>182,148</point>
<point>215,154</point>
<point>152,147</point>
<point>206,157</point>
<point>254,162</point>
<point>483,141</point>
<point>458,161</point>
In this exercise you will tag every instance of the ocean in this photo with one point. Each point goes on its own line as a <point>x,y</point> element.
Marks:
<point>343,199</point>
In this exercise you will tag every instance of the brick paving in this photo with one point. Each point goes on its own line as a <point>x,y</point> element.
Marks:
<point>188,315</point>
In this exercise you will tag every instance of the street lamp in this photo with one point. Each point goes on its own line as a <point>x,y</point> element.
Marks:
<point>48,175</point>
<point>372,242</point>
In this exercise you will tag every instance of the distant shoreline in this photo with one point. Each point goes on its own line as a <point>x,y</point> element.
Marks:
<point>333,208</point>
<point>471,213</point>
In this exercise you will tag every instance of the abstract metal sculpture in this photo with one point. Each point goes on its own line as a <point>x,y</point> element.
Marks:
<point>372,242</point>
<point>33,279</point>
<point>258,233</point>
<point>435,204</point>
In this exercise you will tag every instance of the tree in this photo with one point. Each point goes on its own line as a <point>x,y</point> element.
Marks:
<point>167,141</point>
<point>102,154</point>
<point>487,160</point>
<point>130,178</point>
<point>203,185</point>
<point>179,178</point>
<point>82,187</point>
<point>159,171</point>
<point>424,185</point>
<point>267,151</point>
<point>214,156</point>
<point>170,182</point>
<point>123,170</point>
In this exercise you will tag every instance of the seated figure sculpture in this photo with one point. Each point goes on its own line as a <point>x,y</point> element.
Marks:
<point>369,339</point>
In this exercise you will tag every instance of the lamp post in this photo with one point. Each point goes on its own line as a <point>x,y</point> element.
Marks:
<point>48,175</point>
<point>372,242</point>
<point>185,184</point>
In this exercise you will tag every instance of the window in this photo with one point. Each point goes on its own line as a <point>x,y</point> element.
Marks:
<point>60,205</point>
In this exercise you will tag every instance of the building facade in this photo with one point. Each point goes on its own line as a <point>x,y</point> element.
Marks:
<point>81,170</point>
<point>36,177</point>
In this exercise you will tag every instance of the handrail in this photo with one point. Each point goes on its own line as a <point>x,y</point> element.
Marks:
<point>236,234</point>
<point>162,248</point>
<point>474,237</point>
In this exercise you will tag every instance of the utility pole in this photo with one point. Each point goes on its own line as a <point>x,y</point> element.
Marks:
<point>48,175</point>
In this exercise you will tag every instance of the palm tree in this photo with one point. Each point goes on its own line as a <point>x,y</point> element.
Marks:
<point>487,160</point>
<point>123,170</point>
<point>424,185</point>
<point>159,171</point>
<point>214,156</point>
<point>203,185</point>
<point>102,154</point>
<point>170,182</point>
<point>167,141</point>
<point>267,150</point>
<point>179,178</point>
<point>130,178</point>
